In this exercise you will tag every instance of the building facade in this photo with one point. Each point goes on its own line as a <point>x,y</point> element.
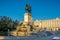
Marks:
<point>50,25</point>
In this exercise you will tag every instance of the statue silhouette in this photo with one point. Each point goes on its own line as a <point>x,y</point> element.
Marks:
<point>28,8</point>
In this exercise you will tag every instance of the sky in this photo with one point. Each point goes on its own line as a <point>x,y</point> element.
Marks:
<point>41,9</point>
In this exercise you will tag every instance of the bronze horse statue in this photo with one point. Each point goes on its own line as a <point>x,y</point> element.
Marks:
<point>28,8</point>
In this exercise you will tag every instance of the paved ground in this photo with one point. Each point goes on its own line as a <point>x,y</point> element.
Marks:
<point>27,38</point>
<point>24,38</point>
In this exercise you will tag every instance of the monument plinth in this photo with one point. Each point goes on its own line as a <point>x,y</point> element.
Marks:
<point>27,18</point>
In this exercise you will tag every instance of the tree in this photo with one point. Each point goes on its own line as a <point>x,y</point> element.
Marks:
<point>7,23</point>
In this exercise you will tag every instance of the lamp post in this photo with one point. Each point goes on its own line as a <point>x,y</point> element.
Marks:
<point>8,32</point>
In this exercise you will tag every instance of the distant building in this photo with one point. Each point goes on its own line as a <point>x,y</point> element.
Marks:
<point>50,25</point>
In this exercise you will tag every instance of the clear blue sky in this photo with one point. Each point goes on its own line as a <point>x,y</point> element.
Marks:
<point>41,9</point>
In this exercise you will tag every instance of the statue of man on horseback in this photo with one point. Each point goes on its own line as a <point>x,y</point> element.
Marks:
<point>28,8</point>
